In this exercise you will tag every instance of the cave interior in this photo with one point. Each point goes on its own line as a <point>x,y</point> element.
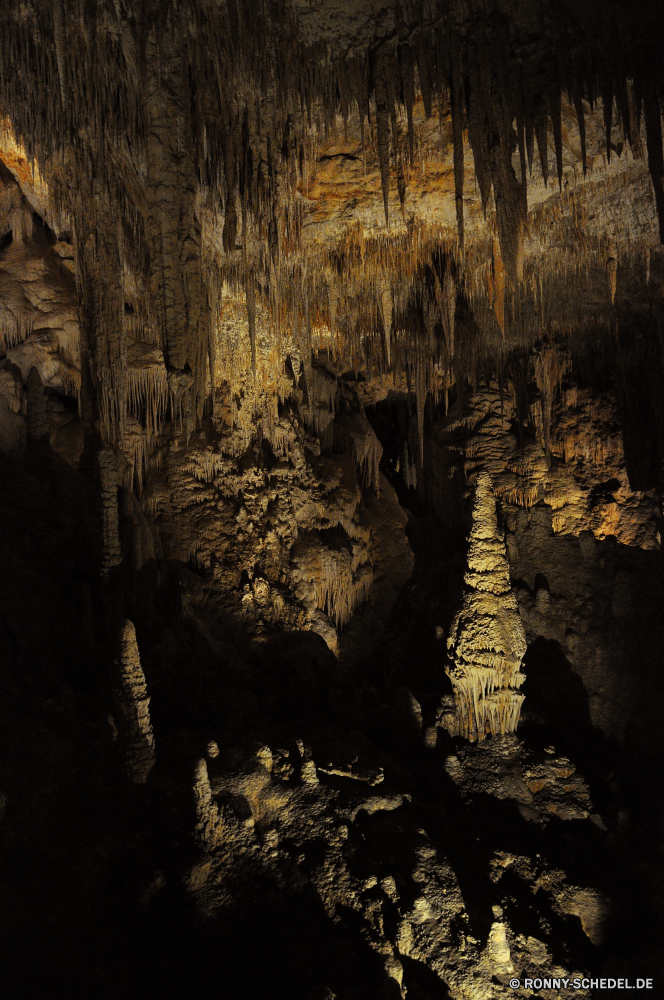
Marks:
<point>331,476</point>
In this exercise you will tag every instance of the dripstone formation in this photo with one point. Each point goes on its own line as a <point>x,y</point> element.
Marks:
<point>487,640</point>
<point>133,708</point>
<point>292,295</point>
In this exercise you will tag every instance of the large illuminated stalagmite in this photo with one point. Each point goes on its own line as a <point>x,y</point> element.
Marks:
<point>487,640</point>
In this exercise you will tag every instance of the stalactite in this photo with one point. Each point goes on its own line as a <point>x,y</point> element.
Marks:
<point>355,436</point>
<point>420,400</point>
<point>423,72</point>
<point>133,708</point>
<point>509,193</point>
<point>457,130</point>
<point>581,122</point>
<point>477,129</point>
<point>335,580</point>
<point>386,309</point>
<point>632,118</point>
<point>383,133</point>
<point>527,98</point>
<point>58,36</point>
<point>449,304</point>
<point>652,115</point>
<point>556,123</point>
<point>607,102</point>
<point>498,286</point>
<point>551,362</point>
<point>521,143</point>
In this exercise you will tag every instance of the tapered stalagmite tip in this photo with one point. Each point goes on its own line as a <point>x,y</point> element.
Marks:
<point>133,707</point>
<point>201,772</point>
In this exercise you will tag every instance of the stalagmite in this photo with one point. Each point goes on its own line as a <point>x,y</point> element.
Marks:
<point>581,121</point>
<point>498,949</point>
<point>208,824</point>
<point>133,708</point>
<point>487,641</point>
<point>108,486</point>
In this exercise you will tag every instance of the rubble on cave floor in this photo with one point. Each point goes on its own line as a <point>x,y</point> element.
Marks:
<point>282,821</point>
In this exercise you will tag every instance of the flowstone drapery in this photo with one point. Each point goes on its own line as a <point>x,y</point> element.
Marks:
<point>487,640</point>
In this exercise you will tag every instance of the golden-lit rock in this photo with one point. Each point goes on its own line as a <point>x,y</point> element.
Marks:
<point>486,642</point>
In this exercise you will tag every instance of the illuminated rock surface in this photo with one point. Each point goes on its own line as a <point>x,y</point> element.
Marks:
<point>487,641</point>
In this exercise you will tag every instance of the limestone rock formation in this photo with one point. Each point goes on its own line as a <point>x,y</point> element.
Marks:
<point>108,482</point>
<point>133,708</point>
<point>543,783</point>
<point>280,282</point>
<point>208,827</point>
<point>487,641</point>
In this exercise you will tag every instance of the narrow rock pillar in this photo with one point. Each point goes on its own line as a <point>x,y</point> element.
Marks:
<point>487,639</point>
<point>133,708</point>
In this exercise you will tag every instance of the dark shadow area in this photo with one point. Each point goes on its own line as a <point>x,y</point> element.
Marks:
<point>554,692</point>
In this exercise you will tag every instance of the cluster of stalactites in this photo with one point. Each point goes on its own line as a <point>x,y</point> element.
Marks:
<point>396,305</point>
<point>146,124</point>
<point>335,580</point>
<point>142,127</point>
<point>487,642</point>
<point>506,95</point>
